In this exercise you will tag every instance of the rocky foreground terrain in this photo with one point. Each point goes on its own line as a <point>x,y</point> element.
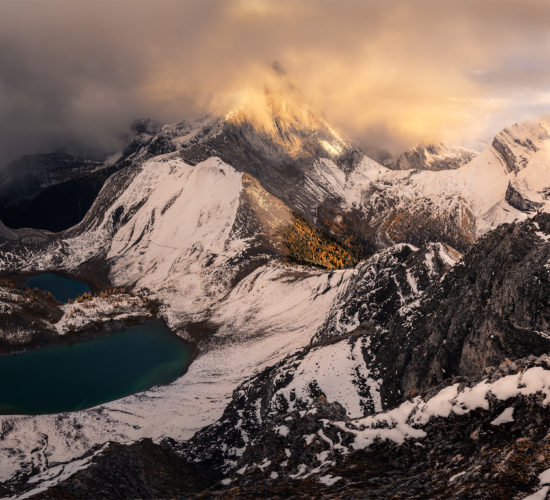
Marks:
<point>459,443</point>
<point>360,330</point>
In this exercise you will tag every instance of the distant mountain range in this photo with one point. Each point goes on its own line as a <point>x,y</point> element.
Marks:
<point>346,315</point>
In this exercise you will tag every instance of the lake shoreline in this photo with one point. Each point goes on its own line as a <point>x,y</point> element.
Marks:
<point>19,278</point>
<point>52,338</point>
<point>48,336</point>
<point>136,359</point>
<point>37,336</point>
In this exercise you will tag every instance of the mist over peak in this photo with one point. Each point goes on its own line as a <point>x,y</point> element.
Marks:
<point>275,107</point>
<point>387,75</point>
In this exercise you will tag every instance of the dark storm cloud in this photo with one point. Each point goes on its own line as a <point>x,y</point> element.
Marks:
<point>74,74</point>
<point>388,74</point>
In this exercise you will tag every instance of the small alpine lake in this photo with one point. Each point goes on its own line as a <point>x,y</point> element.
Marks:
<point>61,288</point>
<point>79,375</point>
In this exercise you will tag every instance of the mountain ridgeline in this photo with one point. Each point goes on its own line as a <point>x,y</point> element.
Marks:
<point>359,329</point>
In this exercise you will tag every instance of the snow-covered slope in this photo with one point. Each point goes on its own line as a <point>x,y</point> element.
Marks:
<point>170,227</point>
<point>206,240</point>
<point>518,144</point>
<point>433,157</point>
<point>246,336</point>
<point>302,161</point>
<point>173,234</point>
<point>478,189</point>
<point>198,216</point>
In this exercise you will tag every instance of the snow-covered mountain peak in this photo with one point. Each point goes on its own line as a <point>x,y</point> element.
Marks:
<point>518,143</point>
<point>274,107</point>
<point>433,157</point>
<point>273,134</point>
<point>214,218</point>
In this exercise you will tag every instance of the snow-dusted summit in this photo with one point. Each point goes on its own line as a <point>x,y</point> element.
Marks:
<point>433,157</point>
<point>199,214</point>
<point>433,193</point>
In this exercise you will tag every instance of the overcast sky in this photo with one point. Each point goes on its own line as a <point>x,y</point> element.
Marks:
<point>387,74</point>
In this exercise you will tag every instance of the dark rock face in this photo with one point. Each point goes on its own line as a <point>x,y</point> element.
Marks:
<point>57,207</point>
<point>421,223</point>
<point>153,139</point>
<point>352,226</point>
<point>515,198</point>
<point>140,470</point>
<point>145,126</point>
<point>49,191</point>
<point>460,457</point>
<point>26,177</point>
<point>494,305</point>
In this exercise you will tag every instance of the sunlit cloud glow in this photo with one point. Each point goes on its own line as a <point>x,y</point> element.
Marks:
<point>386,74</point>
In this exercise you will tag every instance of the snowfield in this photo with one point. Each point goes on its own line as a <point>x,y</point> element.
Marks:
<point>198,398</point>
<point>178,231</point>
<point>178,243</point>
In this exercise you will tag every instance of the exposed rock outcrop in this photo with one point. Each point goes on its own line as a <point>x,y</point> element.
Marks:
<point>517,144</point>
<point>516,199</point>
<point>433,157</point>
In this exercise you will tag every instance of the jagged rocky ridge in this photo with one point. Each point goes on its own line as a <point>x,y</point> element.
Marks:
<point>491,307</point>
<point>475,438</point>
<point>325,411</point>
<point>207,238</point>
<point>432,157</point>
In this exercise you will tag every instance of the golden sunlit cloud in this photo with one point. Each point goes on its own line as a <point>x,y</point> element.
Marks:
<point>387,74</point>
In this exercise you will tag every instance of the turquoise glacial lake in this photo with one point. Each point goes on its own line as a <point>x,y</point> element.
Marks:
<point>74,376</point>
<point>62,289</point>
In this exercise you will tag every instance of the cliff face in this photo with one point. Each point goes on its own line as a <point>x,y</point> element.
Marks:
<point>311,414</point>
<point>433,157</point>
<point>517,144</point>
<point>492,306</point>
